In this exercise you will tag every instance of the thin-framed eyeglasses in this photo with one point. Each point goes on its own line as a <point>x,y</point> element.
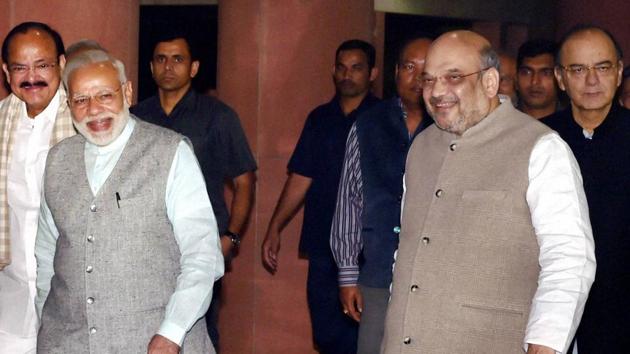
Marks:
<point>580,70</point>
<point>103,97</point>
<point>450,79</point>
<point>41,68</point>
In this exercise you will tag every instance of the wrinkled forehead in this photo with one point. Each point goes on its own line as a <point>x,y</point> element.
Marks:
<point>452,56</point>
<point>95,75</point>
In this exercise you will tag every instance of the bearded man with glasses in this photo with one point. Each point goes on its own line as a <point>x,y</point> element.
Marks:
<point>33,117</point>
<point>589,68</point>
<point>496,251</point>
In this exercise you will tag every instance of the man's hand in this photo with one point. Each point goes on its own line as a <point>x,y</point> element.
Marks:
<point>161,345</point>
<point>226,247</point>
<point>539,349</point>
<point>270,248</point>
<point>351,301</point>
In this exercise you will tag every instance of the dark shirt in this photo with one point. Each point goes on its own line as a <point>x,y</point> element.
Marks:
<point>217,138</point>
<point>319,156</point>
<point>605,165</point>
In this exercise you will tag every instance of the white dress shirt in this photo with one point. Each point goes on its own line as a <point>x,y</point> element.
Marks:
<point>195,228</point>
<point>31,139</point>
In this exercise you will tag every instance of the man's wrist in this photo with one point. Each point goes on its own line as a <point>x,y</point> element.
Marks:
<point>234,237</point>
<point>348,275</point>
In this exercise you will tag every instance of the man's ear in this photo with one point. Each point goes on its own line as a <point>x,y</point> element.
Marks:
<point>128,92</point>
<point>6,72</point>
<point>62,63</point>
<point>619,72</point>
<point>151,67</point>
<point>194,69</point>
<point>490,81</point>
<point>557,72</point>
<point>374,74</point>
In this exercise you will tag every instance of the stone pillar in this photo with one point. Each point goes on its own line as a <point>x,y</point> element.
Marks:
<point>274,66</point>
<point>113,23</point>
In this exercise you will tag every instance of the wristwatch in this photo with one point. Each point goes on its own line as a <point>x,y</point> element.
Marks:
<point>235,238</point>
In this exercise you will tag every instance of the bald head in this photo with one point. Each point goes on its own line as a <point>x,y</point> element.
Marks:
<point>461,80</point>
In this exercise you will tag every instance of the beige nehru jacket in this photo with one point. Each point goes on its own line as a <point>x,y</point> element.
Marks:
<point>467,264</point>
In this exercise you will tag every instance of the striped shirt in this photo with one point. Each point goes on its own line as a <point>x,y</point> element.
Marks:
<point>346,242</point>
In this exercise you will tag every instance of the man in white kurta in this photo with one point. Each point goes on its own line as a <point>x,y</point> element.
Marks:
<point>32,119</point>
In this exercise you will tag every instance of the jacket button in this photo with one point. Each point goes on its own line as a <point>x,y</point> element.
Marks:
<point>90,238</point>
<point>92,330</point>
<point>414,288</point>
<point>438,193</point>
<point>89,269</point>
<point>397,229</point>
<point>453,146</point>
<point>93,207</point>
<point>426,240</point>
<point>90,300</point>
<point>407,340</point>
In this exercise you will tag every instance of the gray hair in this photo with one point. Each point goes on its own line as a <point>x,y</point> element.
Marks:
<point>489,58</point>
<point>92,56</point>
<point>81,46</point>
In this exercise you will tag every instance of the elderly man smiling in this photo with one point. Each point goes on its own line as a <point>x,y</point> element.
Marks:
<point>127,246</point>
<point>496,250</point>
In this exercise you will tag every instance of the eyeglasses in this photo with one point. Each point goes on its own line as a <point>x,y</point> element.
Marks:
<point>103,97</point>
<point>451,79</point>
<point>579,70</point>
<point>42,68</point>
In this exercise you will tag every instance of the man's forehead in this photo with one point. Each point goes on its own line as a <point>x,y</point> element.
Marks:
<point>541,60</point>
<point>587,44</point>
<point>354,55</point>
<point>35,38</point>
<point>177,46</point>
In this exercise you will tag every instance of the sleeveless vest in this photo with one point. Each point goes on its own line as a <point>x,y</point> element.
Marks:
<point>116,261</point>
<point>467,263</point>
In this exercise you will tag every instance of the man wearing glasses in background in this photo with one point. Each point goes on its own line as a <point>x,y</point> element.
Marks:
<point>589,68</point>
<point>33,117</point>
<point>535,83</point>
<point>496,250</point>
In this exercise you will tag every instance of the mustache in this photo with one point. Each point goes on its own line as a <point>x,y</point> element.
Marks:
<point>28,84</point>
<point>439,99</point>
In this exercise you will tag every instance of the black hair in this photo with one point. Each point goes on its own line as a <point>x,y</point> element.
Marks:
<point>407,41</point>
<point>534,48</point>
<point>361,45</point>
<point>25,27</point>
<point>171,35</point>
<point>583,28</point>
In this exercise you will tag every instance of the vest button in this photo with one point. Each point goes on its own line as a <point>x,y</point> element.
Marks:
<point>407,340</point>
<point>90,300</point>
<point>90,238</point>
<point>438,193</point>
<point>426,240</point>
<point>414,288</point>
<point>453,146</point>
<point>92,330</point>
<point>397,229</point>
<point>93,207</point>
<point>89,269</point>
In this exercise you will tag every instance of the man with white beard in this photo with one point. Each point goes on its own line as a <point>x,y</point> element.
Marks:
<point>127,247</point>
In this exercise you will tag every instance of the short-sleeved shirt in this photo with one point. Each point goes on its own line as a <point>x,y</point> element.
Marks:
<point>217,138</point>
<point>319,155</point>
